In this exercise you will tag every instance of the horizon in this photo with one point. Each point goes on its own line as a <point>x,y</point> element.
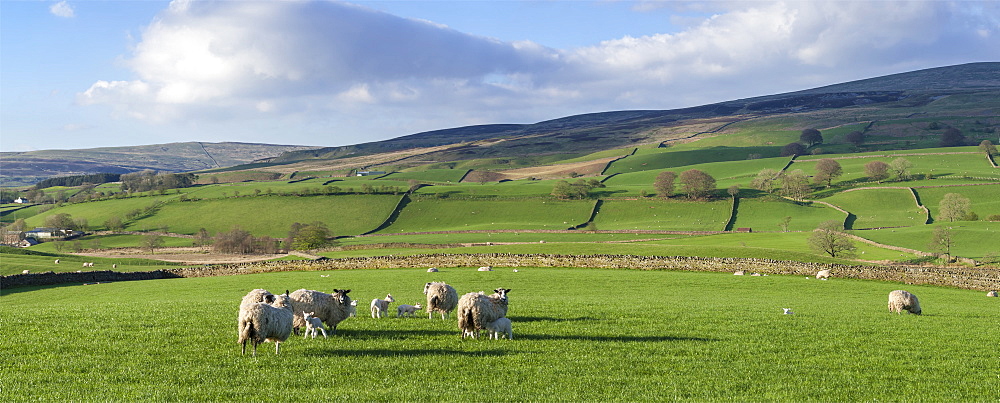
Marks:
<point>81,75</point>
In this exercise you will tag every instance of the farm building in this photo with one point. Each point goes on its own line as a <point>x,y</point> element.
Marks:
<point>370,173</point>
<point>45,233</point>
<point>20,200</point>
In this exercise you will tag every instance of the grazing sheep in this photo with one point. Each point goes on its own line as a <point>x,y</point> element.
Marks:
<point>330,308</point>
<point>441,297</point>
<point>25,271</point>
<point>738,273</point>
<point>900,301</point>
<point>266,321</point>
<point>312,325</point>
<point>500,327</point>
<point>255,296</point>
<point>432,270</point>
<point>991,294</point>
<point>407,310</point>
<point>486,268</point>
<point>380,307</point>
<point>755,275</point>
<point>352,310</point>
<point>823,274</point>
<point>475,310</point>
<point>57,261</point>
<point>788,311</point>
<point>114,265</point>
<point>515,270</point>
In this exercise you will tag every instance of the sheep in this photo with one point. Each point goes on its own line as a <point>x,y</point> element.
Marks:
<point>265,321</point>
<point>25,271</point>
<point>330,308</point>
<point>407,310</point>
<point>380,307</point>
<point>485,268</point>
<point>991,294</point>
<point>255,296</point>
<point>500,327</point>
<point>441,297</point>
<point>515,270</point>
<point>475,310</point>
<point>739,273</point>
<point>352,310</point>
<point>432,270</point>
<point>823,274</point>
<point>788,311</point>
<point>900,301</point>
<point>312,325</point>
<point>57,261</point>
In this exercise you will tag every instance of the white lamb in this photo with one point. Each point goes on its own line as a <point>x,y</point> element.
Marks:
<point>407,310</point>
<point>475,310</point>
<point>788,311</point>
<point>331,308</point>
<point>823,274</point>
<point>312,325</point>
<point>738,273</point>
<point>441,298</point>
<point>265,321</point>
<point>500,327</point>
<point>352,310</point>
<point>380,307</point>
<point>485,268</point>
<point>432,270</point>
<point>900,301</point>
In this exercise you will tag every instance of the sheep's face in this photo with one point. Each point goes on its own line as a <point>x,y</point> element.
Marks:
<point>341,296</point>
<point>418,306</point>
<point>427,287</point>
<point>502,292</point>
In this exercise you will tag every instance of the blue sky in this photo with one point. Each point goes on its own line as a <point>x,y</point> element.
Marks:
<point>83,74</point>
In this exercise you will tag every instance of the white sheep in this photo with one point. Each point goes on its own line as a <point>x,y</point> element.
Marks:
<point>57,261</point>
<point>266,321</point>
<point>500,327</point>
<point>352,310</point>
<point>25,271</point>
<point>739,273</point>
<point>991,294</point>
<point>486,268</point>
<point>823,274</point>
<point>407,310</point>
<point>788,311</point>
<point>900,301</point>
<point>475,310</point>
<point>312,325</point>
<point>441,298</point>
<point>432,270</point>
<point>380,307</point>
<point>330,308</point>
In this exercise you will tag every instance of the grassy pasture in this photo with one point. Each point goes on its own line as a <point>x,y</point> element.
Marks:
<point>97,212</point>
<point>460,215</point>
<point>726,174</point>
<point>766,216</point>
<point>985,199</point>
<point>672,157</point>
<point>974,240</point>
<point>663,215</point>
<point>880,208</point>
<point>518,188</point>
<point>679,341</point>
<point>272,215</point>
<point>113,241</point>
<point>40,261</point>
<point>430,175</point>
<point>481,237</point>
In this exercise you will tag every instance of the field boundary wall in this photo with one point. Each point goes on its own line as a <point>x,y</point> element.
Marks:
<point>980,278</point>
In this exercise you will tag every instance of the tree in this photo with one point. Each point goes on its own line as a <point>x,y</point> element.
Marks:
<point>877,170</point>
<point>697,184</point>
<point>830,238</point>
<point>236,240</point>
<point>784,223</point>
<point>764,181</point>
<point>576,190</point>
<point>810,137</point>
<point>952,137</point>
<point>942,240</point>
<point>18,225</point>
<point>857,138</point>
<point>791,149</point>
<point>987,146</point>
<point>202,238</point>
<point>901,167</point>
<point>733,191</point>
<point>61,221</point>
<point>664,183</point>
<point>953,207</point>
<point>151,242</point>
<point>114,224</point>
<point>311,236</point>
<point>795,184</point>
<point>827,170</point>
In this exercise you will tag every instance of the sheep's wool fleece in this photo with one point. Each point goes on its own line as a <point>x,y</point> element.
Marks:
<point>263,321</point>
<point>441,297</point>
<point>325,307</point>
<point>900,300</point>
<point>475,310</point>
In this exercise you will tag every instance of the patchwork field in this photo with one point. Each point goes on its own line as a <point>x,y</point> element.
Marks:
<point>663,215</point>
<point>459,215</point>
<point>767,216</point>
<point>875,208</point>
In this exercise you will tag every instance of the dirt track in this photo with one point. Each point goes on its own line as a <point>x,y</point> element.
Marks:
<point>182,255</point>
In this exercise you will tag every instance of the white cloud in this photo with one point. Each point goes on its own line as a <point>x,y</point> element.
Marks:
<point>321,61</point>
<point>62,9</point>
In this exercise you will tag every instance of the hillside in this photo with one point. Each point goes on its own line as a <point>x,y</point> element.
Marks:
<point>25,168</point>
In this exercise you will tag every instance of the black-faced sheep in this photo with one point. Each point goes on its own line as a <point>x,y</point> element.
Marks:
<point>330,308</point>
<point>441,297</point>
<point>476,309</point>
<point>380,307</point>
<point>270,320</point>
<point>407,310</point>
<point>900,301</point>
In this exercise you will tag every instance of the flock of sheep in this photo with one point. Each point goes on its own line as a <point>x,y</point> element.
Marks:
<point>265,317</point>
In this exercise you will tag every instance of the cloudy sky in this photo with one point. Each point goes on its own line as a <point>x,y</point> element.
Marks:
<point>82,74</point>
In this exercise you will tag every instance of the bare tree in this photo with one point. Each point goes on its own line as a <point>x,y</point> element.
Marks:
<point>901,167</point>
<point>151,242</point>
<point>795,184</point>
<point>697,184</point>
<point>877,170</point>
<point>830,238</point>
<point>942,240</point>
<point>664,183</point>
<point>764,181</point>
<point>827,170</point>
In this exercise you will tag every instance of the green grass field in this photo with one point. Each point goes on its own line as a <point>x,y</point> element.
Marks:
<point>96,213</point>
<point>649,336</point>
<point>765,216</point>
<point>111,241</point>
<point>663,215</point>
<point>974,240</point>
<point>460,215</point>
<point>726,174</point>
<point>985,199</point>
<point>430,175</point>
<point>41,261</point>
<point>876,208</point>
<point>666,158</point>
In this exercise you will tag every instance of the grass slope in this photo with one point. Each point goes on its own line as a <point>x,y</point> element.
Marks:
<point>663,215</point>
<point>461,215</point>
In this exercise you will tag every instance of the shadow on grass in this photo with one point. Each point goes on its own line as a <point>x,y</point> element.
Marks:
<point>623,339</point>
<point>393,334</point>
<point>519,319</point>
<point>405,353</point>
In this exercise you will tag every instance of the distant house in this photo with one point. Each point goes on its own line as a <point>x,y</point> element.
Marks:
<point>370,173</point>
<point>744,229</point>
<point>50,233</point>
<point>20,200</point>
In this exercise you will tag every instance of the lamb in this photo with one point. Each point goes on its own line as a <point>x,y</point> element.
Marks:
<point>500,327</point>
<point>57,261</point>
<point>330,308</point>
<point>475,310</point>
<point>738,273</point>
<point>991,294</point>
<point>432,270</point>
<point>485,268</point>
<point>788,311</point>
<point>823,274</point>
<point>352,310</point>
<point>441,297</point>
<point>312,325</point>
<point>265,321</point>
<point>407,310</point>
<point>25,271</point>
<point>380,307</point>
<point>900,301</point>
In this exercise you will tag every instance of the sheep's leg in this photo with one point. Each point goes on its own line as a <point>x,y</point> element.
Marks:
<point>277,347</point>
<point>324,332</point>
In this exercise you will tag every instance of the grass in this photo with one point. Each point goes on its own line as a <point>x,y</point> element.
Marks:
<point>665,158</point>
<point>870,208</point>
<point>761,215</point>
<point>985,199</point>
<point>972,239</point>
<point>112,241</point>
<point>430,175</point>
<point>679,341</point>
<point>97,212</point>
<point>663,215</point>
<point>15,261</point>
<point>726,174</point>
<point>460,215</point>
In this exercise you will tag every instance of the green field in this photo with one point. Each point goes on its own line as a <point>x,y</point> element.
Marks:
<point>666,158</point>
<point>662,215</point>
<point>121,341</point>
<point>985,199</point>
<point>430,175</point>
<point>16,261</point>
<point>461,215</point>
<point>975,240</point>
<point>765,216</point>
<point>97,212</point>
<point>726,174</point>
<point>518,188</point>
<point>111,241</point>
<point>875,208</point>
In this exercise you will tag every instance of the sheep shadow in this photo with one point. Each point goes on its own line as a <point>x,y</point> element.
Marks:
<point>404,353</point>
<point>395,334</point>
<point>643,339</point>
<point>520,319</point>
